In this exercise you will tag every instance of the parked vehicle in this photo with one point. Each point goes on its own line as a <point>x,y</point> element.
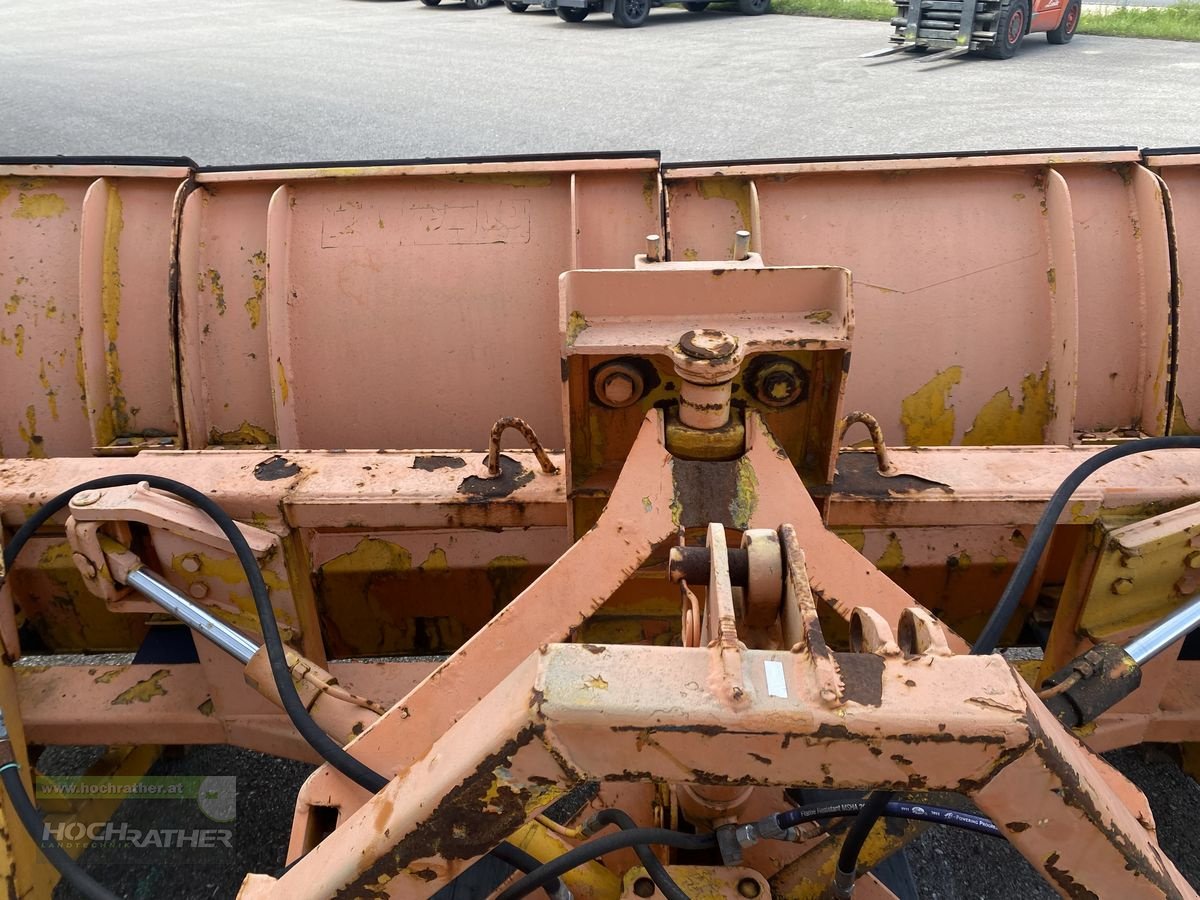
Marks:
<point>629,13</point>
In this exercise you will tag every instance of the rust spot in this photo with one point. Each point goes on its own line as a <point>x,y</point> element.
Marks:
<point>593,648</point>
<point>765,760</point>
<point>862,677</point>
<point>463,825</point>
<point>1018,827</point>
<point>424,874</point>
<point>1069,885</point>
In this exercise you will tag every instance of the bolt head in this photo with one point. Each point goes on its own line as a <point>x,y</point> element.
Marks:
<point>86,498</point>
<point>749,888</point>
<point>190,563</point>
<point>618,388</point>
<point>1193,560</point>
<point>198,589</point>
<point>1122,586</point>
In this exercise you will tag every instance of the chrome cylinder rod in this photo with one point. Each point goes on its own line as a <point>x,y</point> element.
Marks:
<point>1150,643</point>
<point>154,588</point>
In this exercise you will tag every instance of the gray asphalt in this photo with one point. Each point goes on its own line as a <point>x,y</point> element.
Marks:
<point>264,81</point>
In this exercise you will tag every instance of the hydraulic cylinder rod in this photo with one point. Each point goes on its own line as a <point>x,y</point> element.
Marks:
<point>1154,641</point>
<point>155,589</point>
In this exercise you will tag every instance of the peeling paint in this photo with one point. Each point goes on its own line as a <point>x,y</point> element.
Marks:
<point>893,554</point>
<point>745,498</point>
<point>246,433</point>
<point>39,206</point>
<point>145,690</point>
<point>926,413</point>
<point>1001,422</point>
<point>113,418</point>
<point>35,445</point>
<point>218,290</point>
<point>258,277</point>
<point>735,190</point>
<point>576,325</point>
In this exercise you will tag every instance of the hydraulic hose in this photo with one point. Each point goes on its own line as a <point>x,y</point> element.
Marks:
<point>1003,612</point>
<point>36,826</point>
<point>329,750</point>
<point>847,863</point>
<point>940,815</point>
<point>656,870</point>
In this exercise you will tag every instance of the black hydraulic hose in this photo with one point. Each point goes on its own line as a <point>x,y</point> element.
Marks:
<point>331,751</point>
<point>36,826</point>
<point>656,870</point>
<point>940,815</point>
<point>1003,612</point>
<point>512,855</point>
<point>599,846</point>
<point>871,812</point>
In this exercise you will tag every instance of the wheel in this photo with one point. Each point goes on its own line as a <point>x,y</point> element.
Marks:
<point>477,4</point>
<point>1066,28</point>
<point>696,7</point>
<point>515,7</point>
<point>571,13</point>
<point>1010,30</point>
<point>631,13</point>
<point>431,2</point>
<point>754,7</point>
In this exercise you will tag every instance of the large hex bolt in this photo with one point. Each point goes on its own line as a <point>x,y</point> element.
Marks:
<point>779,382</point>
<point>618,385</point>
<point>707,361</point>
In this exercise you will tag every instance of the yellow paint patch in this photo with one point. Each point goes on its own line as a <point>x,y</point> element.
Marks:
<point>576,325</point>
<point>113,418</point>
<point>650,191</point>
<point>926,414</point>
<point>855,537</point>
<point>39,206</point>
<point>51,394</point>
<point>1002,422</point>
<point>597,683</point>
<point>242,435</point>
<point>218,290</point>
<point>1179,422</point>
<point>436,561</point>
<point>690,255</point>
<point>19,340</point>
<point>107,676</point>
<point>735,190</point>
<point>35,446</point>
<point>12,304</point>
<point>821,316</point>
<point>283,382</point>
<point>145,690</point>
<point>893,554</point>
<point>259,279</point>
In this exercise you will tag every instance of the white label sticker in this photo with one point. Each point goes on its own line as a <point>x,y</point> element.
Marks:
<point>776,682</point>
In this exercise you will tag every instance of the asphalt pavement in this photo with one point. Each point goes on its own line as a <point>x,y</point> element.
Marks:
<point>265,81</point>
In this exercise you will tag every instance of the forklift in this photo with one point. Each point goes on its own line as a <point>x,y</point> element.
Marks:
<point>991,28</point>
